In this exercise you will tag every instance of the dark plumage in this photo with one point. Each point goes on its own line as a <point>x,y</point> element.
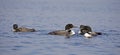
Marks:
<point>84,29</point>
<point>21,29</point>
<point>87,31</point>
<point>66,32</point>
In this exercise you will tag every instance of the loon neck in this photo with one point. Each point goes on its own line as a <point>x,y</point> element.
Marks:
<point>72,32</point>
<point>87,35</point>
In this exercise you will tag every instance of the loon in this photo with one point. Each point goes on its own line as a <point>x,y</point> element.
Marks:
<point>22,29</point>
<point>67,32</point>
<point>87,31</point>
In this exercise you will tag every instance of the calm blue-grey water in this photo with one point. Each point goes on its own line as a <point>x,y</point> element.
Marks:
<point>49,15</point>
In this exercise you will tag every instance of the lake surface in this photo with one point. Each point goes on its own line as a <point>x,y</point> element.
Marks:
<point>49,15</point>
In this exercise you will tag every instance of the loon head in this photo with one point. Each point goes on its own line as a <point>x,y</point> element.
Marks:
<point>69,26</point>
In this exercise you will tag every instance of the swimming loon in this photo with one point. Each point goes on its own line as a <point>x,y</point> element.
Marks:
<point>67,32</point>
<point>21,29</point>
<point>87,31</point>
